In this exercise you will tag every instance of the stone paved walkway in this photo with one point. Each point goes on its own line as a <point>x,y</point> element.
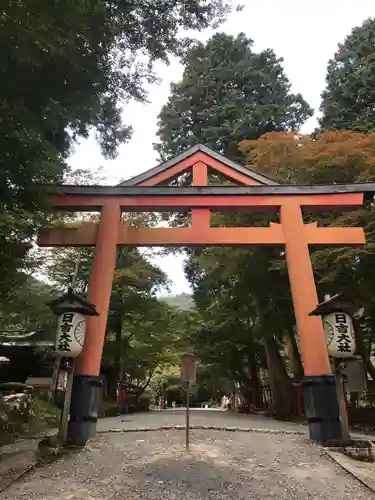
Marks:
<point>219,466</point>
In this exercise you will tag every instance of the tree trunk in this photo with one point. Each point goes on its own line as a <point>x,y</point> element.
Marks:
<point>255,384</point>
<point>112,383</point>
<point>115,371</point>
<point>250,385</point>
<point>118,352</point>
<point>141,389</point>
<point>251,395</point>
<point>55,380</point>
<point>297,365</point>
<point>362,350</point>
<point>283,393</point>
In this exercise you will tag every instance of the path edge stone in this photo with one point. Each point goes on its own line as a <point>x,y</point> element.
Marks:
<point>338,458</point>
<point>203,428</point>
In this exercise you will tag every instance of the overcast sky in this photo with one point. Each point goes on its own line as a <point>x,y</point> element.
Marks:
<point>304,34</point>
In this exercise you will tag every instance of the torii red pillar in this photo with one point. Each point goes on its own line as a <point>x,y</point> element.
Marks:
<point>86,383</point>
<point>318,385</point>
<point>304,295</point>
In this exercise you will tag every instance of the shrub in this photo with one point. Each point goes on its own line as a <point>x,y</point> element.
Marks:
<point>143,403</point>
<point>44,413</point>
<point>15,387</point>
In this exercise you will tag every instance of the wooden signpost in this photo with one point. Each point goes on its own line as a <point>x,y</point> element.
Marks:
<point>188,376</point>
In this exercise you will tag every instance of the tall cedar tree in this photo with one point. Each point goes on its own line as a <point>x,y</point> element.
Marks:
<point>348,102</point>
<point>228,93</point>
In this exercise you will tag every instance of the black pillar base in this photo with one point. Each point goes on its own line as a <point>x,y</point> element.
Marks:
<point>84,408</point>
<point>321,407</point>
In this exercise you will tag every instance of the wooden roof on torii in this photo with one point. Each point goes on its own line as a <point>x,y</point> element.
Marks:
<point>176,165</point>
<point>148,185</point>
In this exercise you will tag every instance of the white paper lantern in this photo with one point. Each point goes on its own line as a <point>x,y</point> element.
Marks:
<point>338,327</point>
<point>71,328</point>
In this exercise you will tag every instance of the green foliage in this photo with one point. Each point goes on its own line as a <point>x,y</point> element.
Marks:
<point>143,333</point>
<point>211,383</point>
<point>67,68</point>
<point>61,266</point>
<point>228,93</point>
<point>26,415</point>
<point>348,100</point>
<point>26,309</point>
<point>143,403</point>
<point>150,342</point>
<point>182,300</point>
<point>14,387</point>
<point>45,414</point>
<point>238,298</point>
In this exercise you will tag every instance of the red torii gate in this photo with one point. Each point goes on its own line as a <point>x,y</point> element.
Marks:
<point>254,191</point>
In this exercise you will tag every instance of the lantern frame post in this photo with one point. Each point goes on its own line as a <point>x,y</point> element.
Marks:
<point>64,420</point>
<point>337,313</point>
<point>341,400</point>
<point>71,309</point>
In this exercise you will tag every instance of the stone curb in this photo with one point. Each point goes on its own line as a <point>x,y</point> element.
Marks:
<point>39,435</point>
<point>203,428</point>
<point>338,459</point>
<point>36,462</point>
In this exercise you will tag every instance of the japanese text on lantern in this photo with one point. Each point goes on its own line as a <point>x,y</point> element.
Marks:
<point>71,329</point>
<point>343,338</point>
<point>338,327</point>
<point>65,336</point>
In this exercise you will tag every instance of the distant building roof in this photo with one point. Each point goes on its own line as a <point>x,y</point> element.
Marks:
<point>43,338</point>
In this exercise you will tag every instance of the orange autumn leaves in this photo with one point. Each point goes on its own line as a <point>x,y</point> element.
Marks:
<point>325,157</point>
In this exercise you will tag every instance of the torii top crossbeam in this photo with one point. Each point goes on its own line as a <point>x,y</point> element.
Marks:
<point>145,192</point>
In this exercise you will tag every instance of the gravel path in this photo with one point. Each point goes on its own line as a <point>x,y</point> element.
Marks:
<point>220,466</point>
<point>218,418</point>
